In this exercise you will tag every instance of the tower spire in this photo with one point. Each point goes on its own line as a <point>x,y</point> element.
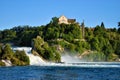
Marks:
<point>83,29</point>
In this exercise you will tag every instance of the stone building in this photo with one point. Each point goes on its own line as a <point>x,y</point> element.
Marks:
<point>63,19</point>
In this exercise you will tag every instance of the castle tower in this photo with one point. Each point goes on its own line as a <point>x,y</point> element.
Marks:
<point>83,29</point>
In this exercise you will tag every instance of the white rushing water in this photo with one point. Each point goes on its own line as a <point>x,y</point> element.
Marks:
<point>7,62</point>
<point>67,59</point>
<point>34,60</point>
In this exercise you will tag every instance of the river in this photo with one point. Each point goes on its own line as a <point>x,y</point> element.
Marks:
<point>59,73</point>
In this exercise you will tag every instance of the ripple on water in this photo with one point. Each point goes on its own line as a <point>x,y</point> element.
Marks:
<point>58,73</point>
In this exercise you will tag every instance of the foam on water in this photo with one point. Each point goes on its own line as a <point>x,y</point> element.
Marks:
<point>84,64</point>
<point>97,64</point>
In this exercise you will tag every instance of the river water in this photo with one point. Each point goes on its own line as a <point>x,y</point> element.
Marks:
<point>61,72</point>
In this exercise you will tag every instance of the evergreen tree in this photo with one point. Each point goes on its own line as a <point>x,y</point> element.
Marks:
<point>119,27</point>
<point>118,24</point>
<point>102,25</point>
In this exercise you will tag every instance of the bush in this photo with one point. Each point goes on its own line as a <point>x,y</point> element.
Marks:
<point>7,52</point>
<point>71,47</point>
<point>58,57</point>
<point>1,53</point>
<point>94,56</point>
<point>112,57</point>
<point>2,63</point>
<point>16,62</point>
<point>20,55</point>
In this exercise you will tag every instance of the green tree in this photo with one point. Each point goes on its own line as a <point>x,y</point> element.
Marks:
<point>1,52</point>
<point>100,31</point>
<point>95,44</point>
<point>2,63</point>
<point>54,21</point>
<point>88,33</point>
<point>71,47</point>
<point>8,35</point>
<point>102,25</point>
<point>21,55</point>
<point>119,27</point>
<point>1,35</point>
<point>26,38</point>
<point>7,52</point>
<point>79,47</point>
<point>117,48</point>
<point>107,49</point>
<point>95,56</point>
<point>118,24</point>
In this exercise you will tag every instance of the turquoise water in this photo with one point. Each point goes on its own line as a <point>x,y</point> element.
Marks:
<point>59,73</point>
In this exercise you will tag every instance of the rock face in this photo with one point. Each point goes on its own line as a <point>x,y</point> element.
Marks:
<point>60,48</point>
<point>7,62</point>
<point>35,53</point>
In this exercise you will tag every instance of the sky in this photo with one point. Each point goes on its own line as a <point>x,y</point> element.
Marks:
<point>39,12</point>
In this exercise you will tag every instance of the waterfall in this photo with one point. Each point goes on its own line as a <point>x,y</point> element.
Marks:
<point>67,59</point>
<point>34,60</point>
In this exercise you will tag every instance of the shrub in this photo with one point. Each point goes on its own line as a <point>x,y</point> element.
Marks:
<point>7,52</point>
<point>1,53</point>
<point>16,62</point>
<point>94,56</point>
<point>2,63</point>
<point>22,57</point>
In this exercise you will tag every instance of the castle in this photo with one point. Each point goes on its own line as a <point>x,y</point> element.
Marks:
<point>63,19</point>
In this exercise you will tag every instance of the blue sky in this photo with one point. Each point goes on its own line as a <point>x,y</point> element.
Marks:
<point>40,12</point>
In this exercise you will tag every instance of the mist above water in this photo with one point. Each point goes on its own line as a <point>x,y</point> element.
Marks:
<point>66,58</point>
